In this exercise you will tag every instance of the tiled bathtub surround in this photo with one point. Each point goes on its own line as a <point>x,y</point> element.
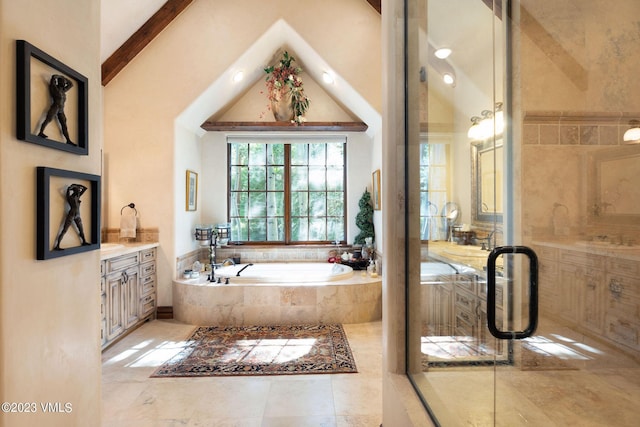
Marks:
<point>354,300</point>
<point>281,254</point>
<point>185,262</point>
<point>254,254</point>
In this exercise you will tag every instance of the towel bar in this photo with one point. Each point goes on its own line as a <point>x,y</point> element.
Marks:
<point>130,205</point>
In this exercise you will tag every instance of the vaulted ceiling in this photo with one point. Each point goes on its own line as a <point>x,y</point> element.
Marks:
<point>127,27</point>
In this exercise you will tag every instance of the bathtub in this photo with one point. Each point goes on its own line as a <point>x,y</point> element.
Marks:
<point>298,273</point>
<point>279,294</point>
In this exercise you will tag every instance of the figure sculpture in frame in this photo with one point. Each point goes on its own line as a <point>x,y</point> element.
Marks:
<point>59,85</point>
<point>74,192</point>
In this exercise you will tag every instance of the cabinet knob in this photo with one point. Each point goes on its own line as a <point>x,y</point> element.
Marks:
<point>616,288</point>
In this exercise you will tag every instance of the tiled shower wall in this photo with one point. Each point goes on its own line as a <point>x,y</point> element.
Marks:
<point>556,172</point>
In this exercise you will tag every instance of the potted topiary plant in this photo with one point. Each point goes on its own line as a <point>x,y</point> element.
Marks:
<point>364,219</point>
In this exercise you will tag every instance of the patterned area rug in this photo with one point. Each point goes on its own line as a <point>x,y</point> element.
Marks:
<point>262,350</point>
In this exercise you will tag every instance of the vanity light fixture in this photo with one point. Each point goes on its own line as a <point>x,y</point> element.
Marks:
<point>327,78</point>
<point>632,135</point>
<point>490,123</point>
<point>442,53</point>
<point>474,130</point>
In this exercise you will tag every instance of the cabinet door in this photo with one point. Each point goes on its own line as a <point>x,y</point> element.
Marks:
<point>444,309</point>
<point>622,319</point>
<point>548,287</point>
<point>592,300</point>
<point>132,297</point>
<point>115,307</point>
<point>571,278</point>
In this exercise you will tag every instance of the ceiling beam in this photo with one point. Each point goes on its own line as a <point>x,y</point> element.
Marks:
<point>376,4</point>
<point>285,126</point>
<point>141,38</point>
<point>498,9</point>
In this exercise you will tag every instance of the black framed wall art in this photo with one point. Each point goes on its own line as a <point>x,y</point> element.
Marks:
<point>68,212</point>
<point>52,101</point>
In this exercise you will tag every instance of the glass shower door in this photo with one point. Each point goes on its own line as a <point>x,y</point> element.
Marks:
<point>520,141</point>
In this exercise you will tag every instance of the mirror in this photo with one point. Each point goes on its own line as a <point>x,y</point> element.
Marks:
<point>486,181</point>
<point>613,197</point>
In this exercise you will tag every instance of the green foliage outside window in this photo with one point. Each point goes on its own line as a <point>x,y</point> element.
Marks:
<point>259,186</point>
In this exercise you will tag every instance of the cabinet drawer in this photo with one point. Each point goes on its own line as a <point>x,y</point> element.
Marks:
<point>121,262</point>
<point>465,301</point>
<point>147,269</point>
<point>548,268</point>
<point>148,255</point>
<point>546,252</point>
<point>582,258</point>
<point>147,305</point>
<point>623,266</point>
<point>466,285</point>
<point>148,284</point>
<point>622,330</point>
<point>464,325</point>
<point>622,287</point>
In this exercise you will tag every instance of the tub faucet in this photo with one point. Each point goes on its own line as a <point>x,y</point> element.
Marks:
<point>243,268</point>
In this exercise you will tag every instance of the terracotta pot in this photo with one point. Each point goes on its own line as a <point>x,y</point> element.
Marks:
<point>282,109</point>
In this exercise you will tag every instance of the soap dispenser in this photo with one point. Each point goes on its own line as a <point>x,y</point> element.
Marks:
<point>371,269</point>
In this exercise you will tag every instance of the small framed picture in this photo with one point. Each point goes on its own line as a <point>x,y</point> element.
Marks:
<point>377,203</point>
<point>68,212</point>
<point>51,101</point>
<point>192,191</point>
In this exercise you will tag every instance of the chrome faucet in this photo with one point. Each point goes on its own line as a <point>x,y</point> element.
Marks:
<point>491,236</point>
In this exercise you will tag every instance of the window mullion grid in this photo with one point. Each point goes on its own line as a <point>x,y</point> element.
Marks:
<point>287,193</point>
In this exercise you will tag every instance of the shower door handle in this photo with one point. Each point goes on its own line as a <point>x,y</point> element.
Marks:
<point>491,292</point>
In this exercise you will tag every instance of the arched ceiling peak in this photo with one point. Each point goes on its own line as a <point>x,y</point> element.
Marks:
<point>267,48</point>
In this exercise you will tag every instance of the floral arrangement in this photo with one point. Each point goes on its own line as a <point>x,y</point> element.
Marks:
<point>284,80</point>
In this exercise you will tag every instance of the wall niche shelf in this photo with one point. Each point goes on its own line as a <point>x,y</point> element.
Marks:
<point>285,126</point>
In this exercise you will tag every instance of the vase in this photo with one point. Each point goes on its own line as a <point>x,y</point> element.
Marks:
<point>282,109</point>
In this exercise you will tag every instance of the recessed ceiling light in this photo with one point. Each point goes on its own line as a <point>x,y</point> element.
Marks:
<point>327,78</point>
<point>442,53</point>
<point>238,76</point>
<point>448,78</point>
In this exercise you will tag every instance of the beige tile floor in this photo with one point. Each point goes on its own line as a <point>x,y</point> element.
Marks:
<point>598,386</point>
<point>131,398</point>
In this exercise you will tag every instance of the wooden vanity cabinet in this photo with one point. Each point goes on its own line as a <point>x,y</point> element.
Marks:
<point>128,293</point>
<point>437,303</point>
<point>470,309</point>
<point>596,294</point>
<point>622,302</point>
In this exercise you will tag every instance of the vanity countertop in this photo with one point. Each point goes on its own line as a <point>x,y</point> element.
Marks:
<point>597,248</point>
<point>111,250</point>
<point>472,256</point>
